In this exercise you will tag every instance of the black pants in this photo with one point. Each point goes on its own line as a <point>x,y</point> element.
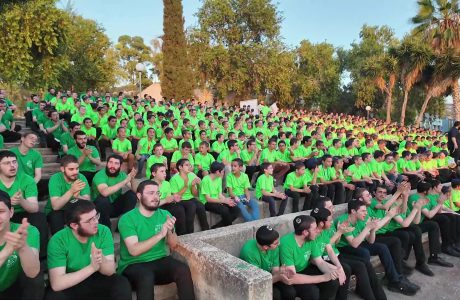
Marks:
<point>251,170</point>
<point>454,220</point>
<point>371,187</point>
<point>56,220</point>
<point>272,205</point>
<point>43,189</point>
<point>334,190</point>
<point>395,247</point>
<point>28,116</point>
<point>410,237</point>
<point>324,290</point>
<point>122,204</point>
<point>194,207</point>
<point>178,212</point>
<point>25,288</point>
<point>143,277</point>
<point>296,199</point>
<point>367,284</point>
<point>11,136</point>
<point>283,291</point>
<point>103,144</point>
<point>38,220</point>
<point>312,199</point>
<point>227,213</point>
<point>433,229</point>
<point>52,143</point>
<point>342,291</point>
<point>89,176</point>
<point>446,229</point>
<point>413,180</point>
<point>95,287</point>
<point>366,250</point>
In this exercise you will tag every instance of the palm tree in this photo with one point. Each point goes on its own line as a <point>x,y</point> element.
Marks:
<point>383,71</point>
<point>413,56</point>
<point>442,75</point>
<point>439,22</point>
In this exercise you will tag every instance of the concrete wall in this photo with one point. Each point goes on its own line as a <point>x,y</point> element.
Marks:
<point>217,271</point>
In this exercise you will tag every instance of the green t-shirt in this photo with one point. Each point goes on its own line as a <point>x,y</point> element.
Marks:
<point>122,146</point>
<point>165,190</point>
<point>355,172</point>
<point>359,227</point>
<point>227,156</point>
<point>64,250</point>
<point>269,156</point>
<point>169,145</point>
<point>293,255</point>
<point>218,147</point>
<point>238,184</point>
<point>265,183</point>
<point>139,133</point>
<point>23,183</point>
<point>87,165</point>
<point>7,119</point>
<point>246,156</point>
<point>145,146</point>
<point>326,174</point>
<point>265,260</point>
<point>58,186</point>
<point>153,159</point>
<point>297,182</point>
<point>177,183</point>
<point>68,140</point>
<point>58,132</point>
<point>29,162</point>
<point>455,194</point>
<point>204,161</point>
<point>12,268</point>
<point>109,132</point>
<point>323,239</point>
<point>101,177</point>
<point>178,155</point>
<point>133,223</point>
<point>91,132</point>
<point>211,187</point>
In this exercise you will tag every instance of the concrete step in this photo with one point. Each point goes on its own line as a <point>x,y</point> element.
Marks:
<point>43,151</point>
<point>49,158</point>
<point>51,167</point>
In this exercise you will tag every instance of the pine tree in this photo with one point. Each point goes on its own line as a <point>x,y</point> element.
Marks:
<point>176,80</point>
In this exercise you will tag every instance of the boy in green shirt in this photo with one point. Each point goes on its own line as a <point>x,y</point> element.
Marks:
<point>145,148</point>
<point>214,200</point>
<point>238,188</point>
<point>295,252</point>
<point>265,190</point>
<point>147,235</point>
<point>122,146</point>
<point>263,252</point>
<point>81,259</point>
<point>64,187</point>
<point>203,160</point>
<point>107,190</point>
<point>22,190</point>
<point>296,186</point>
<point>88,156</point>
<point>20,276</point>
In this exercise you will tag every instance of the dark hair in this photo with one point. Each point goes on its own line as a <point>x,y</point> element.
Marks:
<point>5,198</point>
<point>322,201</point>
<point>354,205</point>
<point>359,192</point>
<point>75,209</point>
<point>204,143</point>
<point>239,161</point>
<point>216,166</point>
<point>186,145</point>
<point>231,143</point>
<point>299,165</point>
<point>68,159</point>
<point>301,223</point>
<point>141,187</point>
<point>117,157</point>
<point>320,214</point>
<point>155,167</point>
<point>424,187</point>
<point>78,133</point>
<point>266,235</point>
<point>378,154</point>
<point>73,124</point>
<point>168,129</point>
<point>6,153</point>
<point>264,166</point>
<point>181,162</point>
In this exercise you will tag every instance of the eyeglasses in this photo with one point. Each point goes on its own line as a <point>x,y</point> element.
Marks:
<point>94,219</point>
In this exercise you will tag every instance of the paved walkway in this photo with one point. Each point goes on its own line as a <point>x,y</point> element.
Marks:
<point>444,285</point>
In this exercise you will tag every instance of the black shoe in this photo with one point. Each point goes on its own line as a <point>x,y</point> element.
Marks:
<point>410,283</point>
<point>402,288</point>
<point>455,247</point>
<point>450,251</point>
<point>436,260</point>
<point>423,268</point>
<point>406,269</point>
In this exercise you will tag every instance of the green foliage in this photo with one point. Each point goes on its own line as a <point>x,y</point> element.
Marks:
<point>34,42</point>
<point>131,51</point>
<point>93,63</point>
<point>176,79</point>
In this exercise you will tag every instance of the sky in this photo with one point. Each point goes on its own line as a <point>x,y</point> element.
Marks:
<point>335,21</point>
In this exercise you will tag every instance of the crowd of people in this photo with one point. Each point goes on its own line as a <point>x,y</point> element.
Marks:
<point>195,157</point>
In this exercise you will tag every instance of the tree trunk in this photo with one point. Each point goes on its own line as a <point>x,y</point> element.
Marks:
<point>456,99</point>
<point>389,104</point>
<point>422,110</point>
<point>404,107</point>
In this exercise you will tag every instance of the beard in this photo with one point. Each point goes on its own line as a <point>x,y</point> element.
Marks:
<point>83,233</point>
<point>81,146</point>
<point>115,174</point>
<point>148,206</point>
